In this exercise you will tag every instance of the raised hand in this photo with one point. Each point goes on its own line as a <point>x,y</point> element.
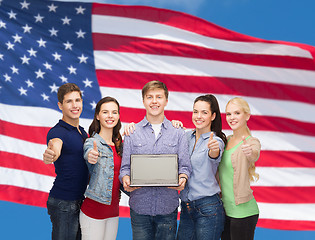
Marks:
<point>52,151</point>
<point>246,148</point>
<point>213,146</point>
<point>93,154</point>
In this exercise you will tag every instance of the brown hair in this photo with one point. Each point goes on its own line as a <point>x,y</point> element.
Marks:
<point>95,126</point>
<point>216,125</point>
<point>67,88</point>
<point>154,85</point>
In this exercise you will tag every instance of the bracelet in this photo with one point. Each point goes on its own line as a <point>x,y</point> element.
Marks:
<point>185,178</point>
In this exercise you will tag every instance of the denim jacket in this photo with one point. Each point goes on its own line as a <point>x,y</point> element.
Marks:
<point>102,173</point>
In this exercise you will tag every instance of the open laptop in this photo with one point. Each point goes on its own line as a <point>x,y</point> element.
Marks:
<point>154,170</point>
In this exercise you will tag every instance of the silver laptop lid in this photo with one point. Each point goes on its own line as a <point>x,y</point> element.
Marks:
<point>154,170</point>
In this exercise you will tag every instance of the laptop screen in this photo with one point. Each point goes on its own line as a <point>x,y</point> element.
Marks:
<point>154,170</point>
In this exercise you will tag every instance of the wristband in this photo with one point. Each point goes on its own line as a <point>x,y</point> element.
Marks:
<point>185,178</point>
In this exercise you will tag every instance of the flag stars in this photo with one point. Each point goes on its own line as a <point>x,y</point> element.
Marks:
<point>66,21</point>
<point>22,91</point>
<point>7,78</point>
<point>93,105</point>
<point>68,45</point>
<point>14,70</point>
<point>32,52</point>
<point>72,70</point>
<point>48,66</point>
<point>54,88</point>
<point>24,5</point>
<point>88,83</point>
<point>41,43</point>
<point>39,74</point>
<point>29,83</point>
<point>27,29</point>
<point>80,34</point>
<point>12,14</point>
<point>25,60</point>
<point>57,56</point>
<point>80,10</point>
<point>39,18</point>
<point>63,79</point>
<point>83,58</point>
<point>10,45</point>
<point>17,38</point>
<point>53,32</point>
<point>52,8</point>
<point>1,56</point>
<point>45,97</point>
<point>3,24</point>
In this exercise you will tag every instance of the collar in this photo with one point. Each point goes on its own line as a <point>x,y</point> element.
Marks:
<point>145,122</point>
<point>67,125</point>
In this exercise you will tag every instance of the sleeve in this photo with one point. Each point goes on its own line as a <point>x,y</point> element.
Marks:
<point>184,164</point>
<point>125,162</point>
<point>55,133</point>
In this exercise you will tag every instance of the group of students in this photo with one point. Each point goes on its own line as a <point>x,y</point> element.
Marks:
<point>214,170</point>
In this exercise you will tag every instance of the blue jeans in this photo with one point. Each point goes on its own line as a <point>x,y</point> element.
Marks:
<point>201,219</point>
<point>146,227</point>
<point>64,216</point>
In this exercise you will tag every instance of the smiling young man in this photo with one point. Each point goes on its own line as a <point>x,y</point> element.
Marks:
<point>153,210</point>
<point>65,149</point>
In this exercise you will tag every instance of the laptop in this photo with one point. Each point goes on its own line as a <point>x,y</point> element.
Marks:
<point>149,170</point>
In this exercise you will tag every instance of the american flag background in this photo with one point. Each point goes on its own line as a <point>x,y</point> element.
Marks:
<point>114,50</point>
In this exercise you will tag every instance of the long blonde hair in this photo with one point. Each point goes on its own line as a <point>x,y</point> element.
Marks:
<point>253,176</point>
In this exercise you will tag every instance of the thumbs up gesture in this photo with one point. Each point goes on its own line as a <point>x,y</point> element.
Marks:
<point>93,154</point>
<point>214,147</point>
<point>246,148</point>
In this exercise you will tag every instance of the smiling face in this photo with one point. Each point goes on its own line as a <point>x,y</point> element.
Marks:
<point>108,115</point>
<point>71,107</point>
<point>202,116</point>
<point>236,117</point>
<point>154,102</point>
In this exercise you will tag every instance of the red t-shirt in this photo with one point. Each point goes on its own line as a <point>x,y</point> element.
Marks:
<point>98,210</point>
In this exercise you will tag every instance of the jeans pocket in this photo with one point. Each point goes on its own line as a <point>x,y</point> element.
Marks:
<point>208,209</point>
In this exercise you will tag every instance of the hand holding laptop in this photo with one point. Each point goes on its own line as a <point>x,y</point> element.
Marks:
<point>126,184</point>
<point>182,180</point>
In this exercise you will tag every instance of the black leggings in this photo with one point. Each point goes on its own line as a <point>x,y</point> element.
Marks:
<point>239,228</point>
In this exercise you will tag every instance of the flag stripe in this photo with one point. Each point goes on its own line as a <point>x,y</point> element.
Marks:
<point>286,159</point>
<point>20,162</point>
<point>207,84</point>
<point>31,134</point>
<point>183,101</point>
<point>180,32</point>
<point>287,211</point>
<point>25,179</point>
<point>119,43</point>
<point>23,195</point>
<point>285,176</point>
<point>286,224</point>
<point>284,194</point>
<point>109,60</point>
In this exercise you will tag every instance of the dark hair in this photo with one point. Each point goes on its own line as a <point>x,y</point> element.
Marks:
<point>154,85</point>
<point>66,88</point>
<point>95,126</point>
<point>216,125</point>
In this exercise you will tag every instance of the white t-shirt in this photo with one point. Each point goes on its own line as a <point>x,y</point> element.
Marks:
<point>157,129</point>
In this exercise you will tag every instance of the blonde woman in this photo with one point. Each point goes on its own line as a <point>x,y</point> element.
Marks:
<point>236,171</point>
